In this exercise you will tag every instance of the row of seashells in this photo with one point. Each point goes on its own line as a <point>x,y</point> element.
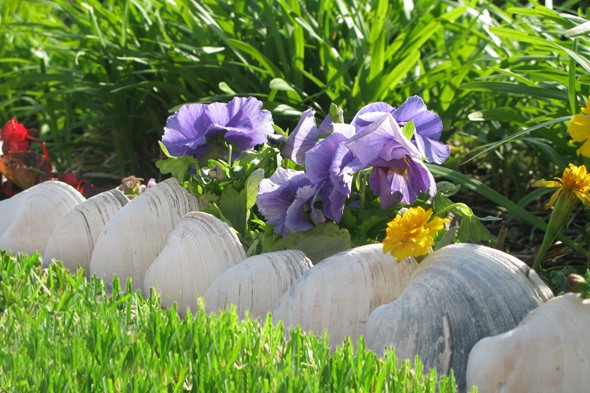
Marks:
<point>464,308</point>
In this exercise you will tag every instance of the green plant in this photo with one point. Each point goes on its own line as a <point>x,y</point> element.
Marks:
<point>63,332</point>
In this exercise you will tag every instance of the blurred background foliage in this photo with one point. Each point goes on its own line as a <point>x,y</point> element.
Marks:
<point>99,78</point>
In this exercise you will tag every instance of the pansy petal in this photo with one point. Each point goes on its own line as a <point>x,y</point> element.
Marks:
<point>303,137</point>
<point>380,184</point>
<point>427,124</point>
<point>281,194</point>
<point>334,208</point>
<point>380,138</point>
<point>434,151</point>
<point>370,113</point>
<point>218,114</point>
<point>296,220</point>
<point>182,133</point>
<point>245,122</point>
<point>319,159</point>
<point>420,179</point>
<point>409,109</point>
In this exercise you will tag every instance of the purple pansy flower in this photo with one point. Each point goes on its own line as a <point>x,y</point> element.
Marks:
<point>242,120</point>
<point>428,125</point>
<point>398,174</point>
<point>286,200</point>
<point>331,164</point>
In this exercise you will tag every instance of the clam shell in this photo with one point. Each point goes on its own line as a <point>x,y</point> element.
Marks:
<point>548,352</point>
<point>256,284</point>
<point>72,241</point>
<point>197,251</point>
<point>28,218</point>
<point>339,292</point>
<point>134,236</point>
<point>458,295</point>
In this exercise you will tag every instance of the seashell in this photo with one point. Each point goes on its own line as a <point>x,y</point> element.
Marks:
<point>29,217</point>
<point>197,251</point>
<point>74,236</point>
<point>256,284</point>
<point>131,240</point>
<point>458,295</point>
<point>548,352</point>
<point>339,292</point>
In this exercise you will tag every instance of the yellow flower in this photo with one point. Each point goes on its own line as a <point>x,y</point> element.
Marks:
<point>575,183</point>
<point>412,234</point>
<point>579,130</point>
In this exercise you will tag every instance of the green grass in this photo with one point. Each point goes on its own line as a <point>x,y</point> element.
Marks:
<point>62,332</point>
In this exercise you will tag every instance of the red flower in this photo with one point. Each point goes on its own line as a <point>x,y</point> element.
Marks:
<point>15,137</point>
<point>81,185</point>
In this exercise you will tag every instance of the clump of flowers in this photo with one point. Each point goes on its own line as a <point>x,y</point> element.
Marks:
<point>132,186</point>
<point>329,185</point>
<point>21,167</point>
<point>386,146</point>
<point>574,185</point>
<point>411,234</point>
<point>241,123</point>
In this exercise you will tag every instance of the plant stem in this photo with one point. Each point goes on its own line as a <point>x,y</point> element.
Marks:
<point>559,217</point>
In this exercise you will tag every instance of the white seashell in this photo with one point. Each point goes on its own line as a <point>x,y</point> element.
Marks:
<point>339,292</point>
<point>458,295</point>
<point>28,218</point>
<point>74,236</point>
<point>198,250</point>
<point>131,240</point>
<point>549,352</point>
<point>256,284</point>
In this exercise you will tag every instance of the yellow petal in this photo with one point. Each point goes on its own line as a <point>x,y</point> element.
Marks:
<point>553,199</point>
<point>584,150</point>
<point>579,128</point>
<point>547,183</point>
<point>585,198</point>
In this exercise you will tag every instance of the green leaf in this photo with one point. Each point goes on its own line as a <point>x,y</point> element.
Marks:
<point>317,243</point>
<point>513,88</point>
<point>582,29</point>
<point>516,135</point>
<point>165,150</point>
<point>408,129</point>
<point>281,85</point>
<point>251,188</point>
<point>447,188</point>
<point>265,62</point>
<point>224,87</point>
<point>472,230</point>
<point>179,167</point>
<point>397,74</point>
<point>336,114</point>
<point>232,205</point>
